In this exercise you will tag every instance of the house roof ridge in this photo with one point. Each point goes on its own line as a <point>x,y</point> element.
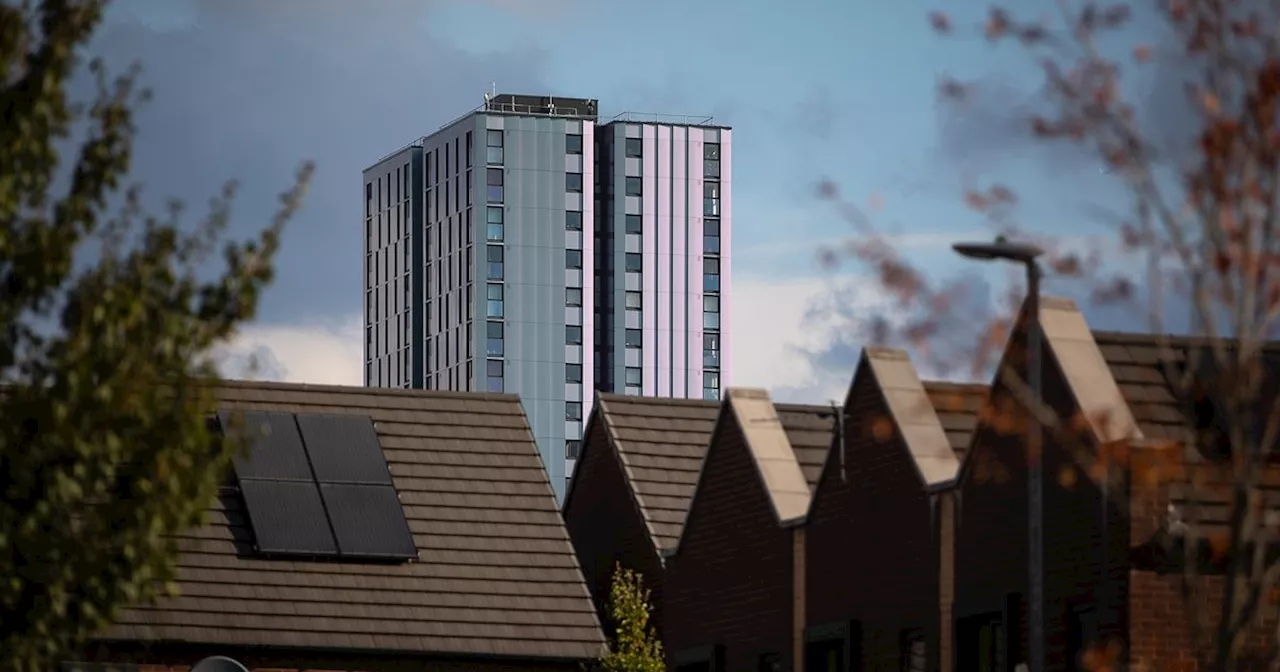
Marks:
<point>913,415</point>
<point>766,440</point>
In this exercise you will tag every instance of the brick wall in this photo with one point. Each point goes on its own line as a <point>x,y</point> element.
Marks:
<point>871,552</point>
<point>606,528</point>
<point>1161,635</point>
<point>730,583</point>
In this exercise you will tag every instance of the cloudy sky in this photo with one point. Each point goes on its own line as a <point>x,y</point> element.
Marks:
<point>839,89</point>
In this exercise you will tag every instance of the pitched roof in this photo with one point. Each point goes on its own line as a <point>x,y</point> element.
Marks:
<point>1088,377</point>
<point>495,575</point>
<point>766,440</point>
<point>662,443</point>
<point>1069,341</point>
<point>1135,362</point>
<point>913,414</point>
<point>957,406</point>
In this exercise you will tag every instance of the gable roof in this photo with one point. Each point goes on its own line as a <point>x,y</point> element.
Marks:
<point>662,442</point>
<point>912,413</point>
<point>1070,343</point>
<point>495,575</point>
<point>766,441</point>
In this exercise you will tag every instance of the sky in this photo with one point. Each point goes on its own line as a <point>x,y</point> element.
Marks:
<point>815,89</point>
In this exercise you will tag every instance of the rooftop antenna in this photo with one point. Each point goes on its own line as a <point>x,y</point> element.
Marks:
<point>837,414</point>
<point>494,89</point>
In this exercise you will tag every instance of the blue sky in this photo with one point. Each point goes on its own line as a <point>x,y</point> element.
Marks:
<point>838,89</point>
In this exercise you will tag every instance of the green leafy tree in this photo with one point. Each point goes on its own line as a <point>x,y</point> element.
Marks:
<point>635,645</point>
<point>108,316</point>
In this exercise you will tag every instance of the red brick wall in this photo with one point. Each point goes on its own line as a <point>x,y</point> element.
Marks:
<point>605,526</point>
<point>1161,635</point>
<point>730,583</point>
<point>871,551</point>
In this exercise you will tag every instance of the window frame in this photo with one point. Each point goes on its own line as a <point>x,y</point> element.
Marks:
<point>569,146</point>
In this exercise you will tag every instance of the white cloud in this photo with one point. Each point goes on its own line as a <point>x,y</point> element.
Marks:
<point>774,325</point>
<point>798,338</point>
<point>328,353</point>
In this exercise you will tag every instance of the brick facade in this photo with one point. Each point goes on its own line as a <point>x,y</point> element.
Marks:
<point>730,582</point>
<point>606,526</point>
<point>1161,635</point>
<point>872,554</point>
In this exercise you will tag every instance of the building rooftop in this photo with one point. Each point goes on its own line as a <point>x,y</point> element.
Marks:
<point>662,443</point>
<point>491,570</point>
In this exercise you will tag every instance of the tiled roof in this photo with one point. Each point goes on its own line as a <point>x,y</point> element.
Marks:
<point>810,430</point>
<point>662,443</point>
<point>957,406</point>
<point>495,576</point>
<point>1134,361</point>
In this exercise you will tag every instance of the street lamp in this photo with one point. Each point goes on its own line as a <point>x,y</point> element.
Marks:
<point>1002,250</point>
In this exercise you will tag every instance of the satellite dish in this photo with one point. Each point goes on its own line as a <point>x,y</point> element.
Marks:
<point>218,664</point>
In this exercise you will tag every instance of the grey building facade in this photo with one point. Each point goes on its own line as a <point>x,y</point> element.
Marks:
<point>526,248</point>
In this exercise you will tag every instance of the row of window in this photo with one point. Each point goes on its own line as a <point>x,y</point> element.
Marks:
<point>495,350</point>
<point>711,277</point>
<point>573,296</point>
<point>452,152</point>
<point>383,193</point>
<point>495,146</point>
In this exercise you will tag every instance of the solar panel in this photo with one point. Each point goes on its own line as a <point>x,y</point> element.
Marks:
<point>368,521</point>
<point>274,445</point>
<point>344,449</point>
<point>287,517</point>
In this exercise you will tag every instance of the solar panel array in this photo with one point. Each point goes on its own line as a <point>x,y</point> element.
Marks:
<point>318,486</point>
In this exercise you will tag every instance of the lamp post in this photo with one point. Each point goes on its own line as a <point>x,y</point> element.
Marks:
<point>1002,250</point>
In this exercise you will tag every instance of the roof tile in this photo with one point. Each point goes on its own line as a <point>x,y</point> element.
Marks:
<point>496,574</point>
<point>662,443</point>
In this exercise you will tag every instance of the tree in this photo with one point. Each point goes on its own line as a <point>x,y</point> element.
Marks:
<point>1201,229</point>
<point>105,359</point>
<point>635,646</point>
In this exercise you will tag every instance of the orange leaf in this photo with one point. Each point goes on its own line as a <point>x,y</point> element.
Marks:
<point>1210,103</point>
<point>1221,262</point>
<point>1002,194</point>
<point>976,201</point>
<point>1142,53</point>
<point>882,429</point>
<point>997,24</point>
<point>875,203</point>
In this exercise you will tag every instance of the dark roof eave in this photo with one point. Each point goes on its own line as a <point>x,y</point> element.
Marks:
<point>400,654</point>
<point>942,486</point>
<point>792,523</point>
